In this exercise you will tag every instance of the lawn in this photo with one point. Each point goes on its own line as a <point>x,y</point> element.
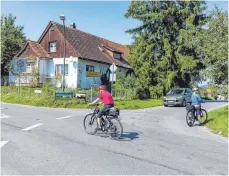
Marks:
<point>219,121</point>
<point>138,104</point>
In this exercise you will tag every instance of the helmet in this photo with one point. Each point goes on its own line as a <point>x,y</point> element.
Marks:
<point>102,87</point>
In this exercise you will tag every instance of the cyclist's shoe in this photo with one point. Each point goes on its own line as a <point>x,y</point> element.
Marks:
<point>98,129</point>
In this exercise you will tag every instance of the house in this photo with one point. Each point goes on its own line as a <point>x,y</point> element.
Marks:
<point>87,57</point>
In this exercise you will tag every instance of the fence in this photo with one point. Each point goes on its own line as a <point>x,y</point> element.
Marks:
<point>123,94</point>
<point>50,85</point>
<point>28,80</point>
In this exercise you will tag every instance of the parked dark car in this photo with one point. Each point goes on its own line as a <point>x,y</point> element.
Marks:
<point>178,97</point>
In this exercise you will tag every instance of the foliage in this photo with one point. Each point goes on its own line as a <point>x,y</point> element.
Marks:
<point>225,91</point>
<point>131,84</point>
<point>218,90</point>
<point>156,92</point>
<point>161,55</point>
<point>213,43</point>
<point>12,40</point>
<point>46,99</point>
<point>218,121</point>
<point>142,94</point>
<point>34,73</point>
<point>128,83</point>
<point>59,80</point>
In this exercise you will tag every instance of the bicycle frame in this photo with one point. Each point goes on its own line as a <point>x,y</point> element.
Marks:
<point>195,112</point>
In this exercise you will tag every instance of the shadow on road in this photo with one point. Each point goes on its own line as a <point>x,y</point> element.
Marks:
<point>129,136</point>
<point>202,124</point>
<point>126,136</point>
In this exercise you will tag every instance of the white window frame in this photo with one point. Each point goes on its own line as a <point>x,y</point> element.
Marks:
<point>61,69</point>
<point>90,68</point>
<point>29,67</point>
<point>117,56</point>
<point>52,47</point>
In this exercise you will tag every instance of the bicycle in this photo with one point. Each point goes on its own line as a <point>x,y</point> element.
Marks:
<point>191,116</point>
<point>111,124</point>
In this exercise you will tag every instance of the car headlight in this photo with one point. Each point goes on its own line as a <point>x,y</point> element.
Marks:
<point>164,98</point>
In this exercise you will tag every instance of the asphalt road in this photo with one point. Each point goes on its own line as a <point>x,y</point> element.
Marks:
<point>45,141</point>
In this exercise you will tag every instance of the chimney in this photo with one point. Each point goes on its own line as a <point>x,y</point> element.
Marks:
<point>73,25</point>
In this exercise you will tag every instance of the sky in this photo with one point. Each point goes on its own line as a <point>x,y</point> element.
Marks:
<point>103,18</point>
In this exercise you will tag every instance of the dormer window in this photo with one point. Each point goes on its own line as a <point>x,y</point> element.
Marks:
<point>117,56</point>
<point>52,28</point>
<point>52,47</point>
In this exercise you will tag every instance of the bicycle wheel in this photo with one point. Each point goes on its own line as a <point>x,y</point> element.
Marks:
<point>204,116</point>
<point>115,128</point>
<point>90,124</point>
<point>190,119</point>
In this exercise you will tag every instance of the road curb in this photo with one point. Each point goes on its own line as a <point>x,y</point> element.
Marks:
<point>212,109</point>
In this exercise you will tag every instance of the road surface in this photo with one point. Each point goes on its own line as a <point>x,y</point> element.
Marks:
<point>47,141</point>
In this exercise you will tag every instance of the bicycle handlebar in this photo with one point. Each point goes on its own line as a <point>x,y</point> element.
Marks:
<point>95,105</point>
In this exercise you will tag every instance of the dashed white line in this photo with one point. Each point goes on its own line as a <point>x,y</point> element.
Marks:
<point>3,143</point>
<point>64,117</point>
<point>3,116</point>
<point>31,127</point>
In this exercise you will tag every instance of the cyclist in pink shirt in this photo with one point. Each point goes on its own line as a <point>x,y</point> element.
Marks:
<point>107,100</point>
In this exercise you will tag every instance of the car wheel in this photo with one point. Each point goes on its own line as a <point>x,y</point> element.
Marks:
<point>183,103</point>
<point>165,105</point>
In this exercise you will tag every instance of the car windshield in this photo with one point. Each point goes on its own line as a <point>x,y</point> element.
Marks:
<point>175,91</point>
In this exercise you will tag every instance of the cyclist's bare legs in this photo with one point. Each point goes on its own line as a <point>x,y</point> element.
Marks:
<point>99,121</point>
<point>198,112</point>
<point>105,109</point>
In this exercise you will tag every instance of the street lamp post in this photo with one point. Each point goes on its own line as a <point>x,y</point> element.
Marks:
<point>62,17</point>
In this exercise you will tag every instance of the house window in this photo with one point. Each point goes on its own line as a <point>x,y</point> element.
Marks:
<point>90,68</point>
<point>52,28</point>
<point>60,69</point>
<point>52,46</point>
<point>29,67</point>
<point>117,55</point>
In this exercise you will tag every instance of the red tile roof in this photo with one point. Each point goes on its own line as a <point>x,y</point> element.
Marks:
<point>38,49</point>
<point>88,46</point>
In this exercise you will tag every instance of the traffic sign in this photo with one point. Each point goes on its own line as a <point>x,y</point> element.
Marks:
<point>19,65</point>
<point>112,77</point>
<point>113,68</point>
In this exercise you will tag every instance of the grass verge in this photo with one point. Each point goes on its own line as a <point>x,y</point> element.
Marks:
<point>138,104</point>
<point>47,101</point>
<point>218,121</point>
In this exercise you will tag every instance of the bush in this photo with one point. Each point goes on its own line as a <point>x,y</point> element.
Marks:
<point>142,94</point>
<point>156,92</point>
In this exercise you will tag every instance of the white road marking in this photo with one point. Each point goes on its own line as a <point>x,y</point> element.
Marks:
<point>3,116</point>
<point>31,127</point>
<point>3,143</point>
<point>64,117</point>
